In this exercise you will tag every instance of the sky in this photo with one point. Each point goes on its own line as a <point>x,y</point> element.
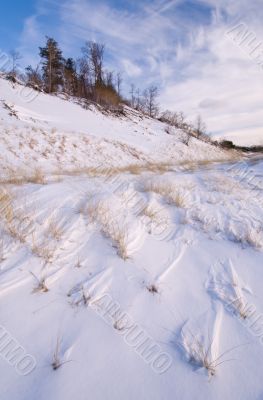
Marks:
<point>205,55</point>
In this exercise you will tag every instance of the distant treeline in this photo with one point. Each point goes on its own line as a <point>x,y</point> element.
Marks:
<point>85,77</point>
<point>228,144</point>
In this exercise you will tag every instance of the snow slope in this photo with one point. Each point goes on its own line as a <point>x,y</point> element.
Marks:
<point>121,282</point>
<point>58,135</point>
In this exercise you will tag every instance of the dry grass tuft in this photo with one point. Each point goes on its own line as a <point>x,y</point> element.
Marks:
<point>20,226</point>
<point>54,230</point>
<point>83,300</point>
<point>98,211</point>
<point>2,251</point>
<point>155,218</point>
<point>153,289</point>
<point>178,198</point>
<point>56,359</point>
<point>23,177</point>
<point>78,263</point>
<point>42,250</point>
<point>16,221</point>
<point>171,192</point>
<point>117,232</point>
<point>150,212</point>
<point>229,290</point>
<point>240,308</point>
<point>254,237</point>
<point>41,284</point>
<point>200,356</point>
<point>108,172</point>
<point>6,205</point>
<point>37,177</point>
<point>16,233</point>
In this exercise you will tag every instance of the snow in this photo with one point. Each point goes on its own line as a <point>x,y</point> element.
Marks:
<point>128,230</point>
<point>56,134</point>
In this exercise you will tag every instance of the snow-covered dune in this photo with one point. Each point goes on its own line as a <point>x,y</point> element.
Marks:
<point>54,134</point>
<point>143,282</point>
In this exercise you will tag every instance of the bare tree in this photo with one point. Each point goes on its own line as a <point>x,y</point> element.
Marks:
<point>119,82</point>
<point>15,56</point>
<point>33,77</point>
<point>150,101</point>
<point>132,93</point>
<point>94,52</point>
<point>84,77</point>
<point>109,79</point>
<point>200,126</point>
<point>176,119</point>
<point>138,100</point>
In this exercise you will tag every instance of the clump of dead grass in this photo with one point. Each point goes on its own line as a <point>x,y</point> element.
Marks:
<point>173,193</point>
<point>201,355</point>
<point>43,250</point>
<point>6,204</point>
<point>118,232</point>
<point>153,289</point>
<point>24,177</point>
<point>41,285</point>
<point>57,358</point>
<point>55,230</point>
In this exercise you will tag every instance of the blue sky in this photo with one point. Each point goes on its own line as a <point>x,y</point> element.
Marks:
<point>179,44</point>
<point>12,17</point>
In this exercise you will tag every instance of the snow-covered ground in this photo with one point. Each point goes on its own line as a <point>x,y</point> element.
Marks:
<point>130,262</point>
<point>57,136</point>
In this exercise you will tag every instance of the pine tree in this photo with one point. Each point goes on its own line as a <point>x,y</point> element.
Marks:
<point>52,65</point>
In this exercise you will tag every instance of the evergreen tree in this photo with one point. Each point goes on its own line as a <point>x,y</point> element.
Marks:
<point>52,65</point>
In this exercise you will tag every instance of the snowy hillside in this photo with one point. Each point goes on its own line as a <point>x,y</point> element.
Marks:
<point>57,135</point>
<point>130,262</point>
